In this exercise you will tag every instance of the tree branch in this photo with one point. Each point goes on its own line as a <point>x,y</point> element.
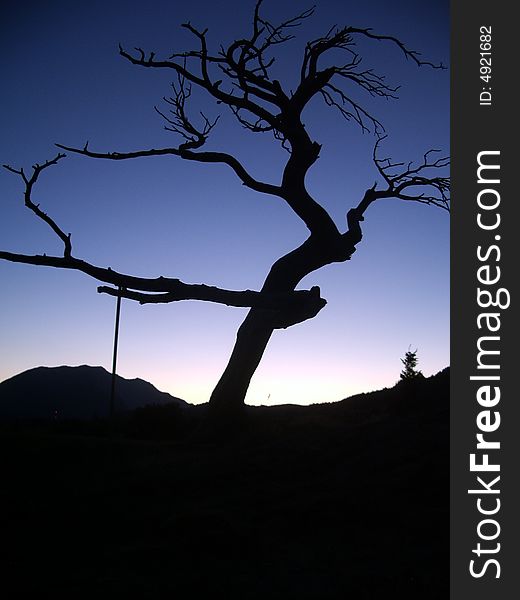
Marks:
<point>205,157</point>
<point>349,109</point>
<point>35,208</point>
<point>166,290</point>
<point>402,182</point>
<point>314,80</point>
<point>179,121</point>
<point>409,54</point>
<point>212,87</point>
<point>163,289</point>
<point>397,182</point>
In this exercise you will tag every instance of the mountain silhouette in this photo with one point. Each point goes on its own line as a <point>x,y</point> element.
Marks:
<point>74,393</point>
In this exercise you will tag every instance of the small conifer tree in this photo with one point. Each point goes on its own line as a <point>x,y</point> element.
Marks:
<point>410,370</point>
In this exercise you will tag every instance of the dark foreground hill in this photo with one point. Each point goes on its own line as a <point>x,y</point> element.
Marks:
<point>73,393</point>
<point>345,500</point>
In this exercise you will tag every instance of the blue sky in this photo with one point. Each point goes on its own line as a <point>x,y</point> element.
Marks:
<point>64,81</point>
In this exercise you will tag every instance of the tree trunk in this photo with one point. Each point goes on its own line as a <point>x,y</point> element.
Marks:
<point>257,328</point>
<point>252,339</point>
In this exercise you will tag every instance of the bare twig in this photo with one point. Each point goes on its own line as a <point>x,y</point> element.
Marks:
<point>403,182</point>
<point>179,122</point>
<point>35,208</point>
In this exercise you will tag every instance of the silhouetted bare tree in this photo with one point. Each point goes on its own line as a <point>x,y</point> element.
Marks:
<point>239,77</point>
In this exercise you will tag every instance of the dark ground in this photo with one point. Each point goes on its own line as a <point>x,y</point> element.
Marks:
<point>347,500</point>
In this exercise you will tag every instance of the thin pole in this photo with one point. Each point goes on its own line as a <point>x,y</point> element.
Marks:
<point>114,357</point>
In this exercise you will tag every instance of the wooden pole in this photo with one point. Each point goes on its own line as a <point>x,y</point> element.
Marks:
<point>114,357</point>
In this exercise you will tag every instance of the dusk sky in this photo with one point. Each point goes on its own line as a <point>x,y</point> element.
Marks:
<point>64,81</point>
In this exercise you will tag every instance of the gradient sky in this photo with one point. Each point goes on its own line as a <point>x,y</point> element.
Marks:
<point>63,81</point>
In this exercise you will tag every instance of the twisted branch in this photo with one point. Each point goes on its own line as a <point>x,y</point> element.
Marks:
<point>29,184</point>
<point>152,290</point>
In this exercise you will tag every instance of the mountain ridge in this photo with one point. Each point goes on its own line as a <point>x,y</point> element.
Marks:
<point>80,392</point>
<point>45,392</point>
